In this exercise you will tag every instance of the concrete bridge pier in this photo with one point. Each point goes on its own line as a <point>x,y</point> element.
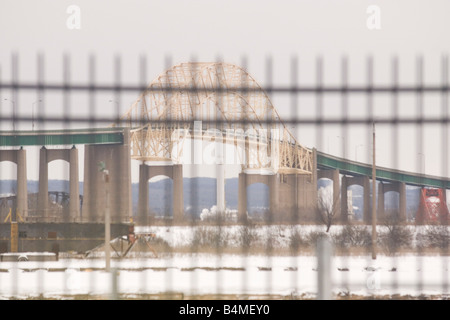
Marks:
<point>116,159</point>
<point>220,188</point>
<point>291,196</point>
<point>45,157</point>
<point>74,179</point>
<point>297,198</point>
<point>333,175</point>
<point>22,193</point>
<point>274,190</point>
<point>175,172</point>
<point>399,187</point>
<point>247,179</point>
<point>19,157</point>
<point>362,181</point>
<point>242,197</point>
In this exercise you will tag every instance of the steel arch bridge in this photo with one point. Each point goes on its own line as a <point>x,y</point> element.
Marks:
<point>228,104</point>
<point>223,97</point>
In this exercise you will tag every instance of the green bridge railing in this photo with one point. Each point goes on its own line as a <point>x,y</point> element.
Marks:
<point>61,137</point>
<point>326,161</point>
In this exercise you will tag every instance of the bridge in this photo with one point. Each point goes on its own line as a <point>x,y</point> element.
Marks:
<point>61,137</point>
<point>389,180</point>
<point>107,144</point>
<point>215,102</point>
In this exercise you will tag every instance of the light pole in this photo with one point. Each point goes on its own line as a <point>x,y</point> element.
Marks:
<point>374,201</point>
<point>32,112</point>
<point>105,172</point>
<point>14,112</point>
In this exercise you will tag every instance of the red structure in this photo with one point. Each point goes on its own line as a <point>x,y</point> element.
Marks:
<point>433,206</point>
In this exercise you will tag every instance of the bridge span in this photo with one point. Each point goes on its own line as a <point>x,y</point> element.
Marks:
<point>353,168</point>
<point>107,145</point>
<point>291,194</point>
<point>389,179</point>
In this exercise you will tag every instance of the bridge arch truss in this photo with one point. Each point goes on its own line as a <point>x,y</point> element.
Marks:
<point>221,96</point>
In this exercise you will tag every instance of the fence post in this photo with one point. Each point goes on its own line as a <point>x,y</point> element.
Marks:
<point>114,284</point>
<point>324,251</point>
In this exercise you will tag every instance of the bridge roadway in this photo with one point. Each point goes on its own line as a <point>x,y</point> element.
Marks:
<point>353,168</point>
<point>109,145</point>
<point>61,137</point>
<point>112,145</point>
<point>115,135</point>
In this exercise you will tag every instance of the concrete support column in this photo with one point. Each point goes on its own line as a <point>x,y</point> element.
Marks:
<point>242,197</point>
<point>336,192</point>
<point>178,199</point>
<point>74,204</point>
<point>172,171</point>
<point>402,201</point>
<point>295,197</point>
<point>220,187</point>
<point>314,178</point>
<point>126,172</point>
<point>22,193</point>
<point>274,184</point>
<point>333,175</point>
<point>116,160</point>
<point>42,200</point>
<point>305,196</point>
<point>344,200</point>
<point>14,236</point>
<point>89,188</point>
<point>381,213</point>
<point>143,193</point>
<point>367,212</point>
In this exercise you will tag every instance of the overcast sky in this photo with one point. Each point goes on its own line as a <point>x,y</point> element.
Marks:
<point>171,32</point>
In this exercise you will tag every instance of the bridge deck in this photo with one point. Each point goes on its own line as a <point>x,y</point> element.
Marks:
<point>61,137</point>
<point>326,161</point>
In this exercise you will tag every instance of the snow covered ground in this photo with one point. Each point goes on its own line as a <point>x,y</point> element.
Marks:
<point>196,274</point>
<point>208,273</point>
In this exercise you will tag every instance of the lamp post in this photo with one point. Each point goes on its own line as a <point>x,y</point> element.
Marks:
<point>32,113</point>
<point>105,172</point>
<point>374,201</point>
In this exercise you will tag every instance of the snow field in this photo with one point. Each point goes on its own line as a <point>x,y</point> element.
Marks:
<point>238,274</point>
<point>193,274</point>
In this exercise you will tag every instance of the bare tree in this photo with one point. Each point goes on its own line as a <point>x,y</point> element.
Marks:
<point>397,234</point>
<point>327,206</point>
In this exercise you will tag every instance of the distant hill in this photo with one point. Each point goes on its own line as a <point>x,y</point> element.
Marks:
<point>200,193</point>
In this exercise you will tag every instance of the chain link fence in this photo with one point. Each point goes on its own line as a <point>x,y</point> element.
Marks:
<point>211,252</point>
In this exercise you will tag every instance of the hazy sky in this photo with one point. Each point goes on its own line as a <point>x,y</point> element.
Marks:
<point>170,32</point>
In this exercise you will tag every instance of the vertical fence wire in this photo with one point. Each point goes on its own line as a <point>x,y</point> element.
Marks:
<point>294,106</point>
<point>344,132</point>
<point>395,143</point>
<point>420,148</point>
<point>445,171</point>
<point>66,105</point>
<point>269,240</point>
